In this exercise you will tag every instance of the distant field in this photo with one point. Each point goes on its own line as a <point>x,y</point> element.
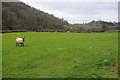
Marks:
<point>60,55</point>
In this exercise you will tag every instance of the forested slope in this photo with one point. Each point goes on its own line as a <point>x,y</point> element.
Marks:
<point>19,16</point>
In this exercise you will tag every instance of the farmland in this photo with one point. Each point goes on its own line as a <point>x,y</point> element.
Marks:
<point>60,55</point>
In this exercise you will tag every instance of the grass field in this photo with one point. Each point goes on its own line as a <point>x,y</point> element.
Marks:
<point>60,55</point>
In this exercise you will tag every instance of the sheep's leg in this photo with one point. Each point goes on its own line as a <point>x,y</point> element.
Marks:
<point>22,44</point>
<point>16,44</point>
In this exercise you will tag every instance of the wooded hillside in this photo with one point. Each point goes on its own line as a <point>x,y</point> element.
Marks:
<point>19,16</point>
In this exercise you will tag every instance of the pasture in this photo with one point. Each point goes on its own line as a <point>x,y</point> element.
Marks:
<point>60,55</point>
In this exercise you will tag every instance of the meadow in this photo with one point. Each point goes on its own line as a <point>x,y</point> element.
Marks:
<point>60,55</point>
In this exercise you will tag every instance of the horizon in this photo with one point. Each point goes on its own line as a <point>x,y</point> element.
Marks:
<point>79,12</point>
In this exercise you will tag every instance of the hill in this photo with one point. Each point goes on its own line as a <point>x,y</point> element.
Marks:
<point>97,23</point>
<point>19,16</point>
<point>96,26</point>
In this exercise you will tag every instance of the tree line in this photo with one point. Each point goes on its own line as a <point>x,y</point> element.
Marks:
<point>96,26</point>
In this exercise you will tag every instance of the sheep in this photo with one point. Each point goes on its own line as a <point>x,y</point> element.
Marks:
<point>68,31</point>
<point>20,41</point>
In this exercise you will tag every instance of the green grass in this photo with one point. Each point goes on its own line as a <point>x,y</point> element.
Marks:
<point>60,55</point>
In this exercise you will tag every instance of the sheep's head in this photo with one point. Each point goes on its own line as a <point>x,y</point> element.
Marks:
<point>24,39</point>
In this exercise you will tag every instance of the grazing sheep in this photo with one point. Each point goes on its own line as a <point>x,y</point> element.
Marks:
<point>68,31</point>
<point>20,41</point>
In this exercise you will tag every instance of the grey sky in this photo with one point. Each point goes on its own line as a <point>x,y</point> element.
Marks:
<point>79,12</point>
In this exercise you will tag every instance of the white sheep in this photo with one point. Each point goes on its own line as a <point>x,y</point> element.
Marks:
<point>20,41</point>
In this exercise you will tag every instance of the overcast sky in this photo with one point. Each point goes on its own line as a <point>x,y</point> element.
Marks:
<point>77,11</point>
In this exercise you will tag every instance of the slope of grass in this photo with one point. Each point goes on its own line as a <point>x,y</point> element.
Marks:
<point>60,55</point>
